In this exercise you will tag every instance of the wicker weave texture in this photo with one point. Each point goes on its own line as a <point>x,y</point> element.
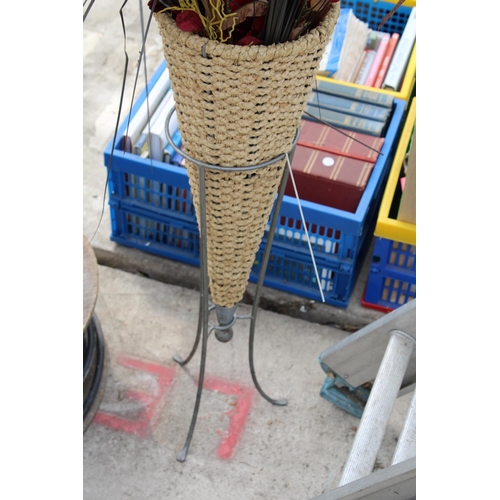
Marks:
<point>239,106</point>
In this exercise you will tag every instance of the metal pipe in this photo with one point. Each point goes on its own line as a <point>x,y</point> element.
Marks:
<point>379,407</point>
<point>226,318</point>
<point>407,445</point>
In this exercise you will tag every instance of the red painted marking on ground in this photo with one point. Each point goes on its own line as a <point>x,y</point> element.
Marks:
<point>136,427</point>
<point>142,426</point>
<point>237,415</point>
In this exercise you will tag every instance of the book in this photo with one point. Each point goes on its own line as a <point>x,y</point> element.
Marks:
<point>142,144</point>
<point>408,205</point>
<point>177,160</point>
<point>318,136</point>
<point>377,61</point>
<point>345,121</point>
<point>402,53</point>
<point>146,110</point>
<point>328,179</point>
<point>371,42</point>
<point>349,106</point>
<point>363,95</point>
<point>357,67</point>
<point>354,44</point>
<point>370,45</point>
<point>391,46</point>
<point>157,137</point>
<point>169,152</point>
<point>365,67</point>
<point>331,57</point>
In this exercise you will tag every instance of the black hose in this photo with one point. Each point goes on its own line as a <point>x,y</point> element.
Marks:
<point>88,350</point>
<point>96,340</point>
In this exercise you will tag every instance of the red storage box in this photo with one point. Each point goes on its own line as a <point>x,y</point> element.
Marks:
<point>328,179</point>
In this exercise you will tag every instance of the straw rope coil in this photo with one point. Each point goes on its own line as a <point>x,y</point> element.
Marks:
<point>239,106</point>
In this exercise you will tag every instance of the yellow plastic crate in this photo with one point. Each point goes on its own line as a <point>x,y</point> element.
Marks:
<point>393,229</point>
<point>392,278</point>
<point>372,10</point>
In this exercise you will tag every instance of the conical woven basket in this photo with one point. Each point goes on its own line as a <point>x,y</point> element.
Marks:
<point>236,107</point>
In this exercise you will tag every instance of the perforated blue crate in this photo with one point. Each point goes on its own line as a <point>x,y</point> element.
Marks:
<point>373,12</point>
<point>162,235</point>
<point>291,272</point>
<point>160,193</point>
<point>392,278</point>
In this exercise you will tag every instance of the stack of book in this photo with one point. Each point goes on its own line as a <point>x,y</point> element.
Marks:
<point>341,135</point>
<point>350,108</point>
<point>334,175</point>
<point>358,54</point>
<point>145,135</point>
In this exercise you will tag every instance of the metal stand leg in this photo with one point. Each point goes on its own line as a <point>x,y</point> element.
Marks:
<point>260,281</point>
<point>181,457</point>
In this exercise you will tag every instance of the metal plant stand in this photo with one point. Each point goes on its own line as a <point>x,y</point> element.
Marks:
<point>226,316</point>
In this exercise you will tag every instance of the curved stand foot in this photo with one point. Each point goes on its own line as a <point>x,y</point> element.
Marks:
<point>260,282</point>
<point>181,457</point>
<point>177,358</point>
<point>276,402</point>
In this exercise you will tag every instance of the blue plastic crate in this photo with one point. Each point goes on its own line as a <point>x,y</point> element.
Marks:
<point>165,236</point>
<point>161,188</point>
<point>160,192</point>
<point>373,12</point>
<point>291,272</point>
<point>294,273</point>
<point>392,277</point>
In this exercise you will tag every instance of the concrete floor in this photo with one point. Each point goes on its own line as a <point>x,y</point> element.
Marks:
<point>242,445</point>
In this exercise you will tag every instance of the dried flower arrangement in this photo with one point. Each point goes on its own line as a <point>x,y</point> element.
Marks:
<point>246,22</point>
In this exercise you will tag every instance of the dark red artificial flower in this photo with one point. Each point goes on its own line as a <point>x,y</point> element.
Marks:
<point>190,21</point>
<point>159,5</point>
<point>236,4</point>
<point>249,40</point>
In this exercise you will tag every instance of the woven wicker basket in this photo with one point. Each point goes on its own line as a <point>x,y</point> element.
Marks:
<point>236,107</point>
